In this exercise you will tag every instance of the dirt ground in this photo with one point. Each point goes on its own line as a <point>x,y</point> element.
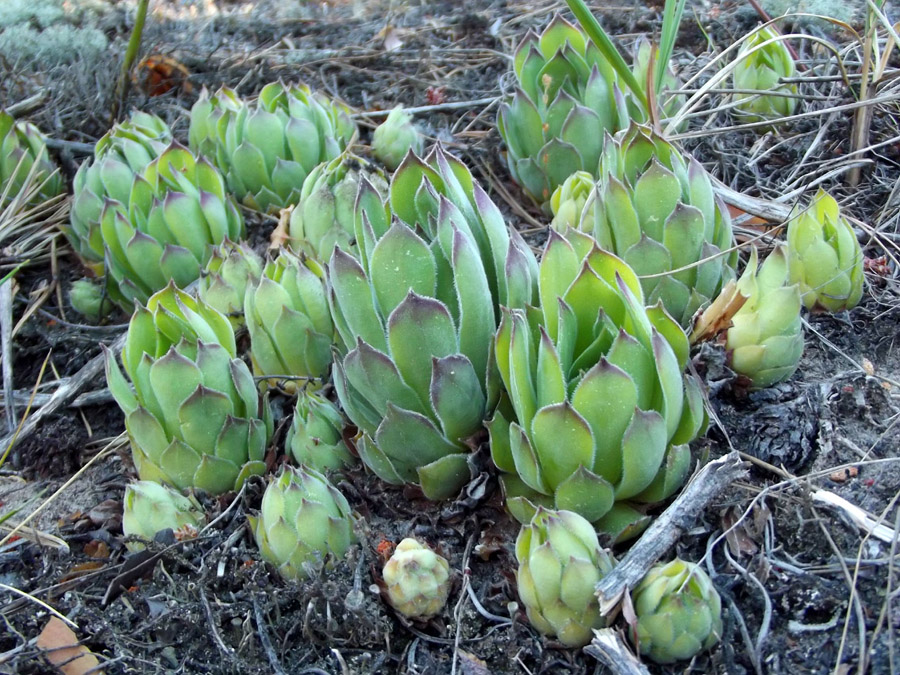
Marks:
<point>804,589</point>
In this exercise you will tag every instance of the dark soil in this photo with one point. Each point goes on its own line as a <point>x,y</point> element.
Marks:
<point>804,590</point>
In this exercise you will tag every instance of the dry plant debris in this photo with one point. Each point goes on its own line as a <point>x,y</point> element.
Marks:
<point>802,549</point>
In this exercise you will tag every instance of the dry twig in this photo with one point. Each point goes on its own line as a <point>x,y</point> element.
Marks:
<point>610,649</point>
<point>705,485</point>
<point>64,394</point>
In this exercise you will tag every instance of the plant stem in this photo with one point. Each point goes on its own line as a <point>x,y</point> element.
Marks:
<point>131,52</point>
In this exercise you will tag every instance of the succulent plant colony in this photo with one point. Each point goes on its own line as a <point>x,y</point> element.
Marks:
<point>266,151</point>
<point>824,256</point>
<point>395,138</point>
<point>315,438</point>
<point>303,523</point>
<point>596,373</point>
<point>567,96</point>
<point>656,209</point>
<point>765,341</point>
<point>416,314</point>
<point>287,316</point>
<point>231,268</point>
<point>437,322</point>
<point>119,157</point>
<point>194,416</point>
<point>325,216</point>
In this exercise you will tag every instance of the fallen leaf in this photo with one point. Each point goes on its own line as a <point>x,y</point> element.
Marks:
<point>186,532</point>
<point>106,512</point>
<point>385,549</point>
<point>61,648</point>
<point>36,536</point>
<point>628,612</point>
<point>136,565</point>
<point>860,518</point>
<point>878,266</point>
<point>96,549</point>
<point>435,95</point>
<point>492,540</point>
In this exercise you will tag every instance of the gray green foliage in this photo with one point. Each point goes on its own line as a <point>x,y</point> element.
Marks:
<point>51,32</point>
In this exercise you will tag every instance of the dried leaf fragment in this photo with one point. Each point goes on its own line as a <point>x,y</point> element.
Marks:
<point>157,74</point>
<point>469,664</point>
<point>843,475</point>
<point>868,367</point>
<point>737,534</point>
<point>717,317</point>
<point>280,237</point>
<point>96,549</point>
<point>61,648</point>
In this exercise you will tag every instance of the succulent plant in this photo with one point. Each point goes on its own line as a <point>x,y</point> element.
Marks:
<point>288,319</point>
<point>150,507</point>
<point>231,267</point>
<point>194,417</point>
<point>89,299</point>
<point>824,257</point>
<point>600,415</point>
<point>560,563</point>
<point>325,215</point>
<point>765,342</point>
<point>176,212</point>
<point>119,156</point>
<point>395,137</point>
<point>656,209</point>
<point>417,313</point>
<point>668,103</point>
<point>23,152</point>
<point>760,68</point>
<point>303,522</point>
<point>417,580</point>
<point>568,95</point>
<point>211,116</point>
<point>568,200</point>
<point>315,436</point>
<point>678,611</point>
<point>267,151</point>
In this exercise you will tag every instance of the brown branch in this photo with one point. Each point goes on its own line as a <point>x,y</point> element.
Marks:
<point>64,394</point>
<point>705,485</point>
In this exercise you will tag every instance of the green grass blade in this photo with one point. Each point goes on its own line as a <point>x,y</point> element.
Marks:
<point>671,22</point>
<point>595,32</point>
